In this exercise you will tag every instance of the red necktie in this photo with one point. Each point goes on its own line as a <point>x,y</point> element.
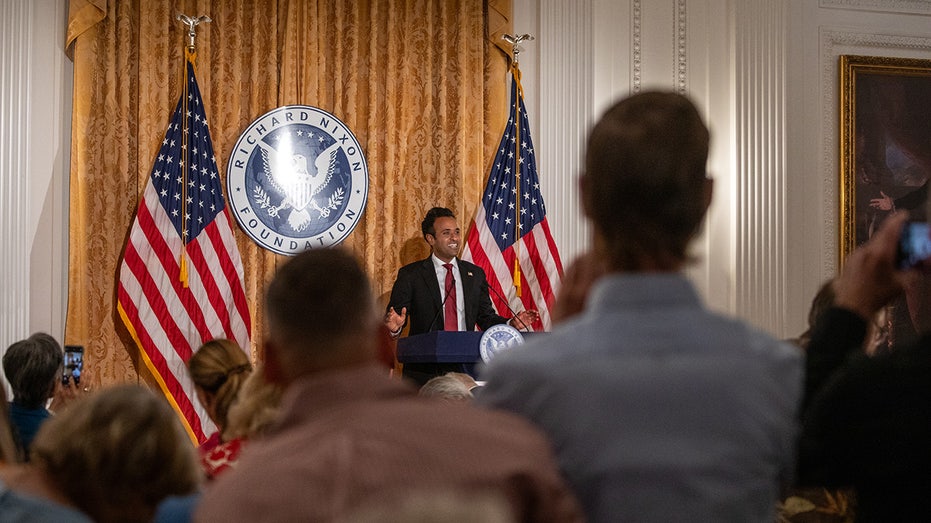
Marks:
<point>450,317</point>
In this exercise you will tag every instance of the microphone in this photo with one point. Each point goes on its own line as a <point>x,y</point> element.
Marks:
<point>443,304</point>
<point>526,328</point>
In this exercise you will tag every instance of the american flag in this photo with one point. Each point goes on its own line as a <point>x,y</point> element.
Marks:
<point>181,280</point>
<point>511,224</point>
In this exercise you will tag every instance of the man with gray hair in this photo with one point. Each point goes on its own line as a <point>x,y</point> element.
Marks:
<point>33,368</point>
<point>348,433</point>
<point>659,409</point>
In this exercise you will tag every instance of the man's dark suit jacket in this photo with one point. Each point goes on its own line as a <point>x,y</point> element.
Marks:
<point>417,288</point>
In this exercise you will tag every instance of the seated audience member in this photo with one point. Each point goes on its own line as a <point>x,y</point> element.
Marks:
<point>218,369</point>
<point>43,503</point>
<point>446,387</point>
<point>114,456</point>
<point>254,411</point>
<point>349,434</point>
<point>659,410</point>
<point>33,367</point>
<point>867,421</point>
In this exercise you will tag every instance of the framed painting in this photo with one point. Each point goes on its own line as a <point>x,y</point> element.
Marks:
<point>885,158</point>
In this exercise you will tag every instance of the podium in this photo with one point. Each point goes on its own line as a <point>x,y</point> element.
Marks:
<point>440,347</point>
<point>437,352</point>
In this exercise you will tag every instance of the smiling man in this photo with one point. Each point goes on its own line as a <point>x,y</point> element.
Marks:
<point>442,292</point>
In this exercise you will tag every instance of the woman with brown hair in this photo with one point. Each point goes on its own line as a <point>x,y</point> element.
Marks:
<point>218,369</point>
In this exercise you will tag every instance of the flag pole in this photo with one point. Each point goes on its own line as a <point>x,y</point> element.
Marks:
<point>190,55</point>
<point>518,96</point>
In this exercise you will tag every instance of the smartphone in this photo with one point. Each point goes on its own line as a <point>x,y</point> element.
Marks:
<point>74,364</point>
<point>914,246</point>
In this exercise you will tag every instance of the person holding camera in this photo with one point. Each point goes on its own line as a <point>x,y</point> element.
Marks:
<point>866,420</point>
<point>33,368</point>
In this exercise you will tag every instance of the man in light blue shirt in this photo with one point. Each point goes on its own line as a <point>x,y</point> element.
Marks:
<point>658,409</point>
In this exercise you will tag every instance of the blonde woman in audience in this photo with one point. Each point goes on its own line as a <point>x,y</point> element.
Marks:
<point>218,368</point>
<point>113,456</point>
<point>254,411</point>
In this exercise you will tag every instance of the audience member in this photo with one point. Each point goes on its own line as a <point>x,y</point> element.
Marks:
<point>255,409</point>
<point>33,368</point>
<point>114,456</point>
<point>807,504</point>
<point>45,504</point>
<point>659,409</point>
<point>446,387</point>
<point>252,413</point>
<point>350,434</point>
<point>867,420</point>
<point>218,369</point>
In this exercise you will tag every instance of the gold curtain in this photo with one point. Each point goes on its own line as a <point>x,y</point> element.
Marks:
<point>422,84</point>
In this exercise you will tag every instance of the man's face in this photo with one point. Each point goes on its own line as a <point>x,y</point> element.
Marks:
<point>445,241</point>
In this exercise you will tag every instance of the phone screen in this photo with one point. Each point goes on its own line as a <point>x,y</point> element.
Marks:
<point>915,246</point>
<point>74,364</point>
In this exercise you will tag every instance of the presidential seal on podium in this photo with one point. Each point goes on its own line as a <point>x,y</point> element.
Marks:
<point>297,180</point>
<point>498,338</point>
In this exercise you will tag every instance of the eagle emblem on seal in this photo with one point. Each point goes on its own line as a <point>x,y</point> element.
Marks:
<point>288,174</point>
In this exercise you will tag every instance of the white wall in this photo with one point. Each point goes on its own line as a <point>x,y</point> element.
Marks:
<point>35,138</point>
<point>765,74</point>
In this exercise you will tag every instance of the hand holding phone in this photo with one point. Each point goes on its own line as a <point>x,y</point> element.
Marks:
<point>73,364</point>
<point>914,251</point>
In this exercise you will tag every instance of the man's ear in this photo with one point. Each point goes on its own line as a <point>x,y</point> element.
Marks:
<point>273,368</point>
<point>431,239</point>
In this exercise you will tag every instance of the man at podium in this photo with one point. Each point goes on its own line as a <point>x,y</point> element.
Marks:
<point>442,292</point>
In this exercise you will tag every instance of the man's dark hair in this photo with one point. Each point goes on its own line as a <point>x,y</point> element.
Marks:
<point>426,226</point>
<point>32,366</point>
<point>645,177</point>
<point>319,298</point>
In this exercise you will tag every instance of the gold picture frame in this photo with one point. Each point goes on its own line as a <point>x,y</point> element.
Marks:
<point>885,128</point>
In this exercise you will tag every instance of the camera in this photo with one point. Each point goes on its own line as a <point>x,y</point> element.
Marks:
<point>74,364</point>
<point>914,246</point>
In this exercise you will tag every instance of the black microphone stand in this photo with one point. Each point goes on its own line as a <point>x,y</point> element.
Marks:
<point>513,314</point>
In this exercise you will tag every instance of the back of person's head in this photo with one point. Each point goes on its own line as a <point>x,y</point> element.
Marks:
<point>117,453</point>
<point>321,314</point>
<point>447,387</point>
<point>33,367</point>
<point>220,367</point>
<point>645,186</point>
<point>255,409</point>
<point>426,226</point>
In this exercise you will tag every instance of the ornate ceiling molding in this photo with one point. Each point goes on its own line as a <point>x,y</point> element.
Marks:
<point>887,6</point>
